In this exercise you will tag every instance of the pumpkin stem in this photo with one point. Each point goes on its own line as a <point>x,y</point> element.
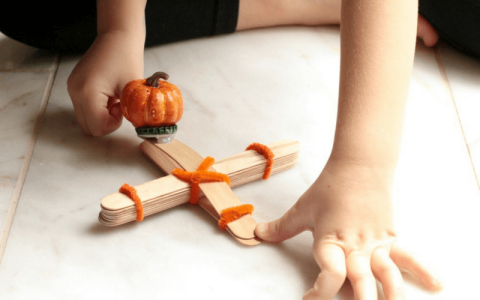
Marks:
<point>153,80</point>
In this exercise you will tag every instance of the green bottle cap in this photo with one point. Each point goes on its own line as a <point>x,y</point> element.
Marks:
<point>163,134</point>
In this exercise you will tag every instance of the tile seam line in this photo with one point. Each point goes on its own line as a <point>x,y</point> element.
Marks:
<point>446,84</point>
<point>28,156</point>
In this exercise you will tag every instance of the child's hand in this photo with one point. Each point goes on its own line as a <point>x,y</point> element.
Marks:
<point>349,212</point>
<point>114,59</point>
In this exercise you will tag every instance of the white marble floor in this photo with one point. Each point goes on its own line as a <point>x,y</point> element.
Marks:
<point>255,86</point>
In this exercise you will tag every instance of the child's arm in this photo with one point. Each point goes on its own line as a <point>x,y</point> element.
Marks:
<point>348,207</point>
<point>115,58</point>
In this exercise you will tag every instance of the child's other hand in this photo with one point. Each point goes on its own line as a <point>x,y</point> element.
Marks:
<point>348,210</point>
<point>95,85</point>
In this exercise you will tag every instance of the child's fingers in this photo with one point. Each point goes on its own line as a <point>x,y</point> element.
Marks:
<point>405,260</point>
<point>116,117</point>
<point>331,260</point>
<point>101,120</point>
<point>292,223</point>
<point>359,272</point>
<point>80,115</point>
<point>385,270</point>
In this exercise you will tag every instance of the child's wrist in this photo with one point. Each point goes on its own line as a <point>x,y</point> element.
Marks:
<point>138,37</point>
<point>380,171</point>
<point>129,42</point>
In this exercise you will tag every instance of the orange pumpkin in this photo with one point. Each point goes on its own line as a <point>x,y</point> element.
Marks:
<point>152,102</point>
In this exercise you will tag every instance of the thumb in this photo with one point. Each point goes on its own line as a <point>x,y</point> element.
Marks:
<point>288,226</point>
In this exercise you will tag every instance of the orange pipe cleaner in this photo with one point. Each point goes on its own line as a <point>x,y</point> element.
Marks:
<point>233,213</point>
<point>131,192</point>
<point>267,153</point>
<point>199,176</point>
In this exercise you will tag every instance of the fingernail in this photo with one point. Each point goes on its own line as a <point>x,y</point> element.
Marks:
<point>261,229</point>
<point>437,281</point>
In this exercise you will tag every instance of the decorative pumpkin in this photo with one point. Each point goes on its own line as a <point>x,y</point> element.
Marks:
<point>152,102</point>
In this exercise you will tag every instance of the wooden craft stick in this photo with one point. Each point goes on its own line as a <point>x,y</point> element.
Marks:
<point>168,191</point>
<point>219,194</point>
<point>233,166</point>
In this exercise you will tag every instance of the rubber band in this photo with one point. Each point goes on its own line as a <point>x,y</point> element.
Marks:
<point>231,214</point>
<point>199,176</point>
<point>267,153</point>
<point>131,192</point>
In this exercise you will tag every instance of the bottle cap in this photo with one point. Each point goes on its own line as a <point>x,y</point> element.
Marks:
<point>163,134</point>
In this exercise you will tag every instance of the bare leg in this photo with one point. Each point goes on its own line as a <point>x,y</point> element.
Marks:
<point>267,13</point>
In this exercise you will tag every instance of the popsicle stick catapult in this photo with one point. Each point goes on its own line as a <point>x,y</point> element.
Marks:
<point>154,106</point>
<point>215,197</point>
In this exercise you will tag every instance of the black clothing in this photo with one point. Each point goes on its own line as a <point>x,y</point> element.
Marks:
<point>71,26</point>
<point>457,22</point>
<point>39,24</point>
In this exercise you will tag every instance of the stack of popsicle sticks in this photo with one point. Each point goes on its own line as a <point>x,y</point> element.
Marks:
<point>168,191</point>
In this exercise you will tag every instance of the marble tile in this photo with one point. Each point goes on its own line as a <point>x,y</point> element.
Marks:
<point>463,74</point>
<point>21,95</point>
<point>436,195</point>
<point>261,85</point>
<point>15,56</point>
